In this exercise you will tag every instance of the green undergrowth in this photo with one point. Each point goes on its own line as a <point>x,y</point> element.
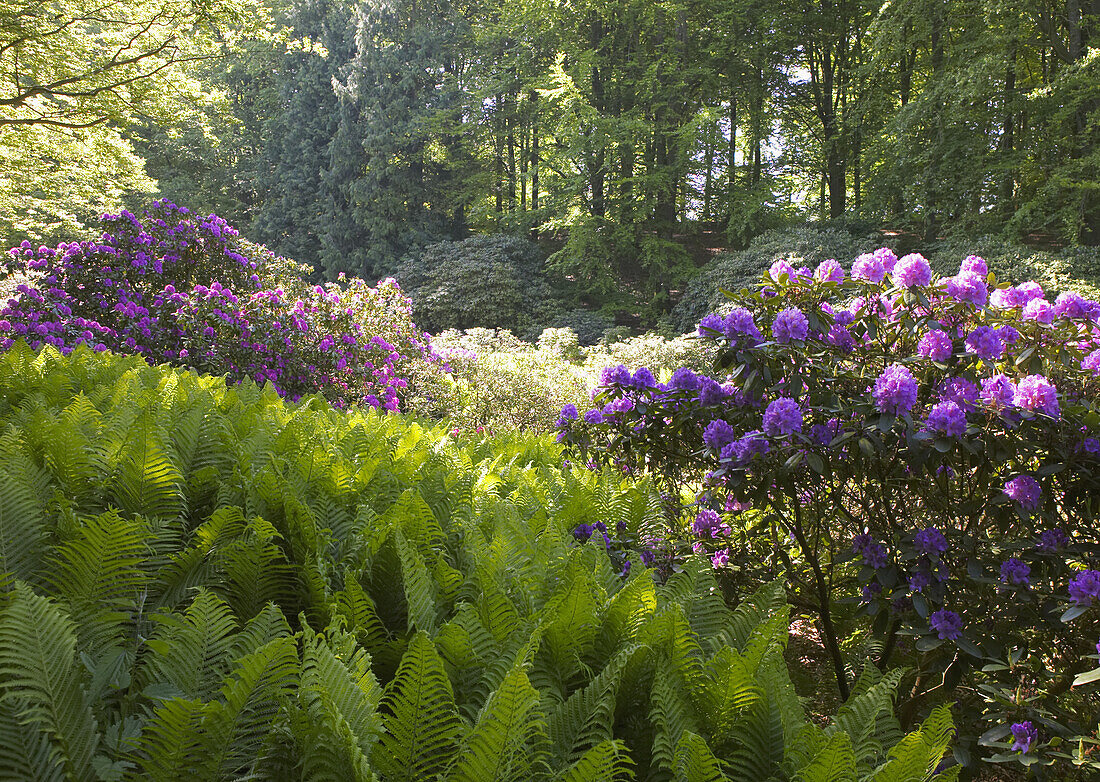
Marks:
<point>204,582</point>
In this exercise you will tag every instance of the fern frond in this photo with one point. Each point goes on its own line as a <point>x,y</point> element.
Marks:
<point>418,584</point>
<point>23,526</point>
<point>608,761</point>
<point>26,752</point>
<point>695,762</point>
<point>171,742</point>
<point>38,668</point>
<point>100,571</point>
<point>421,722</point>
<point>236,725</point>
<point>497,748</point>
<point>192,653</point>
<point>146,482</point>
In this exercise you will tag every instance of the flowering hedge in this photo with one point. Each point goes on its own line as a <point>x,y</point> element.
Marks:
<point>188,290</point>
<point>920,457</point>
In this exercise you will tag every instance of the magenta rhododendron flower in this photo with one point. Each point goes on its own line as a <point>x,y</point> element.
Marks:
<point>912,269</point>
<point>895,390</point>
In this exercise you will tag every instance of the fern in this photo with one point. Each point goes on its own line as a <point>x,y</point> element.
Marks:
<point>695,762</point>
<point>421,722</point>
<point>26,752</point>
<point>40,677</point>
<point>497,748</point>
<point>100,572</point>
<point>605,762</point>
<point>146,481</point>
<point>23,527</point>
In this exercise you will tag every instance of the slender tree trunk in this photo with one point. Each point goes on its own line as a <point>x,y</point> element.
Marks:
<point>1008,184</point>
<point>731,163</point>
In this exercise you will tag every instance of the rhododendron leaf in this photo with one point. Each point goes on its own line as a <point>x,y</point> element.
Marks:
<point>1074,613</point>
<point>928,643</point>
<point>1086,678</point>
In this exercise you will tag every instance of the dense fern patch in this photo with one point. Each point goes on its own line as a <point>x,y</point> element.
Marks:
<point>205,582</point>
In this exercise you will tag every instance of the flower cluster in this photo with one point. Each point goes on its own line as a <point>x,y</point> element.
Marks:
<point>179,288</point>
<point>949,428</point>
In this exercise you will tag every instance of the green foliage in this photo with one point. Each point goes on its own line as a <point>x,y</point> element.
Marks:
<point>73,79</point>
<point>483,281</point>
<point>342,595</point>
<point>806,245</point>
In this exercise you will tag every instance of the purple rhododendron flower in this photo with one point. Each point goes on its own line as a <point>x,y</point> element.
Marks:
<point>706,521</point>
<point>930,541</point>
<point>1024,734</point>
<point>829,271</point>
<point>998,391</point>
<point>721,558</point>
<point>781,267</point>
<point>711,392</point>
<point>947,624</point>
<point>718,434</point>
<point>1039,310</point>
<point>868,267</point>
<point>1091,363</point>
<point>569,413</point>
<point>895,390</point>
<point>873,553</point>
<point>1073,305</point>
<point>618,375</point>
<point>960,391</point>
<point>790,324</point>
<point>648,557</point>
<point>1051,540</point>
<point>920,580</point>
<point>593,417</point>
<point>643,378</point>
<point>948,418</point>
<point>1015,571</point>
<point>985,342</point>
<point>1035,392</point>
<point>969,287</point>
<point>974,264</point>
<point>1029,291</point>
<point>935,345</point>
<point>783,416</point>
<point>1025,490</point>
<point>1006,299</point>
<point>742,451</point>
<point>912,269</point>
<point>823,434</point>
<point>683,379</point>
<point>740,321</point>
<point>709,325</point>
<point>1085,587</point>
<point>583,532</point>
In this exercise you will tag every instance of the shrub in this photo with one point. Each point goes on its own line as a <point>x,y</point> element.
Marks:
<point>589,325</point>
<point>923,450</point>
<point>201,582</point>
<point>501,383</point>
<point>483,281</point>
<point>807,244</point>
<point>187,290</point>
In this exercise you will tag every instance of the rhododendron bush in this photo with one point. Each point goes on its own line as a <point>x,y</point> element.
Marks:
<point>187,290</point>
<point>919,457</point>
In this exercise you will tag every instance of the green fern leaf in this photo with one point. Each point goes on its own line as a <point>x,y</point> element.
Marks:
<point>146,481</point>
<point>608,761</point>
<point>496,748</point>
<point>38,668</point>
<point>26,752</point>
<point>695,762</point>
<point>421,722</point>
